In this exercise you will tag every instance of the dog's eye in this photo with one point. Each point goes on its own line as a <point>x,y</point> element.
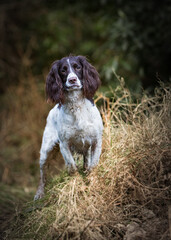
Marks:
<point>77,67</point>
<point>64,69</point>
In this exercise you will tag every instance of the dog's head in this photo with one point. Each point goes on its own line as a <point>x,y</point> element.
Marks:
<point>70,74</point>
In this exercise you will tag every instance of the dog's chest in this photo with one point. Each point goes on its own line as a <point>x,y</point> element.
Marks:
<point>77,126</point>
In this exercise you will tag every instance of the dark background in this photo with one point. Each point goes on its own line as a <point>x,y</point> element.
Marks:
<point>132,38</point>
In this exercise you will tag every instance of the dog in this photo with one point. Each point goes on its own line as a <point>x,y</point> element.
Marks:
<point>75,122</point>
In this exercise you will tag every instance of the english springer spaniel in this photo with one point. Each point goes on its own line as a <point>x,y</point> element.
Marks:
<point>75,122</point>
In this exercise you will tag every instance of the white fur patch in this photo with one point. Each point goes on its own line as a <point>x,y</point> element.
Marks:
<point>69,65</point>
<point>72,75</point>
<point>77,123</point>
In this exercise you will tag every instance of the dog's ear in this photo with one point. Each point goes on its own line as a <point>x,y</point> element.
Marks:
<point>91,80</point>
<point>54,86</point>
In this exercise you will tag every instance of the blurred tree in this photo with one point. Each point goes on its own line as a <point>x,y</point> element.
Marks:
<point>151,38</point>
<point>128,37</point>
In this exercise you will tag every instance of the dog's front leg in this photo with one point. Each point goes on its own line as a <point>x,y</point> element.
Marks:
<point>68,158</point>
<point>40,190</point>
<point>48,142</point>
<point>95,153</point>
<point>87,160</point>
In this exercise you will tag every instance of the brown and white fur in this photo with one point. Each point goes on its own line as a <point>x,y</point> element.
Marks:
<point>75,122</point>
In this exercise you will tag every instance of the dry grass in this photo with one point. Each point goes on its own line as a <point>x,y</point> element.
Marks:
<point>133,175</point>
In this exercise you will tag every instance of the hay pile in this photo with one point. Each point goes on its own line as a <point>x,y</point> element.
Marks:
<point>127,195</point>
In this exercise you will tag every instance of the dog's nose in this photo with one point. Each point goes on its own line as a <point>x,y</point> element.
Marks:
<point>72,80</point>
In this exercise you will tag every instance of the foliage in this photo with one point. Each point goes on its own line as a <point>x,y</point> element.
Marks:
<point>128,37</point>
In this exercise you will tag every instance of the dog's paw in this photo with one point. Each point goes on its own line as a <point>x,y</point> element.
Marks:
<point>87,171</point>
<point>72,170</point>
<point>40,194</point>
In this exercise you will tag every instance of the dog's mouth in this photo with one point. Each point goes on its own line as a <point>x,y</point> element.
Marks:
<point>73,87</point>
